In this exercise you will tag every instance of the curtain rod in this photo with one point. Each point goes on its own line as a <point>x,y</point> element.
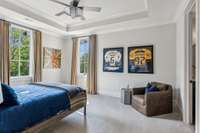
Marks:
<point>19,25</point>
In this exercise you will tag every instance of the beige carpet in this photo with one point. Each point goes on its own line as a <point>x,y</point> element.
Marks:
<point>108,115</point>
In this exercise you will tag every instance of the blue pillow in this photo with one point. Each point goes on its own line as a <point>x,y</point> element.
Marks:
<point>9,95</point>
<point>148,85</point>
<point>151,89</point>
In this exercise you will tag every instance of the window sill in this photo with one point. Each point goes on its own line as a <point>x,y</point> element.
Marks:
<point>82,74</point>
<point>22,78</point>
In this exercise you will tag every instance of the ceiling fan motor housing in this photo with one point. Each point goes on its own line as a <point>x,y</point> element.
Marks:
<point>75,3</point>
<point>76,12</point>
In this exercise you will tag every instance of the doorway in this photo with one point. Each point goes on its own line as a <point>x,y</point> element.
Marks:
<point>82,62</point>
<point>191,37</point>
<point>192,64</point>
<point>191,91</point>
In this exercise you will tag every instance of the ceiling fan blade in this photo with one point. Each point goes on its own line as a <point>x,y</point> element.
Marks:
<point>61,3</point>
<point>93,9</point>
<point>61,13</point>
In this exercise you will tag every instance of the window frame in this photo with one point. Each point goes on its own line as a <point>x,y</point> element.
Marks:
<point>30,54</point>
<point>78,57</point>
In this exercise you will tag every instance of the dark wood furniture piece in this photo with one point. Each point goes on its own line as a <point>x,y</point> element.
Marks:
<point>153,103</point>
<point>77,103</point>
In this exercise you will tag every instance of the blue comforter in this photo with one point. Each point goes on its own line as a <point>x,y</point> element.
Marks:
<point>71,90</point>
<point>37,103</point>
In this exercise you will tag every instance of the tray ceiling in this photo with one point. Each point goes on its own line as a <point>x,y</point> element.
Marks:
<point>110,8</point>
<point>41,14</point>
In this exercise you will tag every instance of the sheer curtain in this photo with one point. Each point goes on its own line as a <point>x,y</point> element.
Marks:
<point>37,56</point>
<point>92,65</point>
<point>74,61</point>
<point>4,52</point>
<point>91,72</point>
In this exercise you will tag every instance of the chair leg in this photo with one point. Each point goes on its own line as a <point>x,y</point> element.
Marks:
<point>85,110</point>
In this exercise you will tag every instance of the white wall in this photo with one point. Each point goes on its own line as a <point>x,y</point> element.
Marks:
<point>164,40</point>
<point>51,75</point>
<point>67,56</point>
<point>180,57</point>
<point>50,41</point>
<point>181,48</point>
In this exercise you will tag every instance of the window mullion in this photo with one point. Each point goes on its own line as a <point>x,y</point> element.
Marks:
<point>19,71</point>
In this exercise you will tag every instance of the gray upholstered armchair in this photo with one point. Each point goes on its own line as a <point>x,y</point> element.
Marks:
<point>153,103</point>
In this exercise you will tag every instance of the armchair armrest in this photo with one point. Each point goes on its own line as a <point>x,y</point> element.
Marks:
<point>138,91</point>
<point>157,102</point>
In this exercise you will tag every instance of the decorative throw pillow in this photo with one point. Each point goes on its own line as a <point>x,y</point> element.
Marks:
<point>9,95</point>
<point>148,85</point>
<point>151,88</point>
<point>160,86</point>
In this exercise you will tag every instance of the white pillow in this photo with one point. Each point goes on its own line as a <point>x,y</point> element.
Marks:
<point>1,95</point>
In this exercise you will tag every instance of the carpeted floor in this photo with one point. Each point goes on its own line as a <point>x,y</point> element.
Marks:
<point>108,115</point>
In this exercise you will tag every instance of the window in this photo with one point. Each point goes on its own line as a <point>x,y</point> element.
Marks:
<point>20,40</point>
<point>83,55</point>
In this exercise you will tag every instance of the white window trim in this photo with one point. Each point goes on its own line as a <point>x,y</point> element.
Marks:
<point>78,57</point>
<point>27,77</point>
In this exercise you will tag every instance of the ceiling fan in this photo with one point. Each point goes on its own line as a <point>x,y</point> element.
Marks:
<point>74,10</point>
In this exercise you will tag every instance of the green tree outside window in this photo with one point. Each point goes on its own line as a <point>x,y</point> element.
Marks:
<point>84,55</point>
<point>19,41</point>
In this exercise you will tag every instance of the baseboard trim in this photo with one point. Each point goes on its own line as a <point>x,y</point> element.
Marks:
<point>177,109</point>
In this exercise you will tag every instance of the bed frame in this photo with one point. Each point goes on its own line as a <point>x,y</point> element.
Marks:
<point>46,123</point>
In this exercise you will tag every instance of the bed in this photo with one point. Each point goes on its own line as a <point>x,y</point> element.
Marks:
<point>40,105</point>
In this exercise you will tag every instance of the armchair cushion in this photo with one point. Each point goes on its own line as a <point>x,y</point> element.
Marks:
<point>138,91</point>
<point>139,99</point>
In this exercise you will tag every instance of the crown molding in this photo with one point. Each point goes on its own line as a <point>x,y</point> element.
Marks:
<point>108,30</point>
<point>180,11</point>
<point>27,13</point>
<point>114,20</point>
<point>122,22</point>
<point>137,27</point>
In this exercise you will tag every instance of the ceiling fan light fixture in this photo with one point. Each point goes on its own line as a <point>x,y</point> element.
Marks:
<point>79,11</point>
<point>74,10</point>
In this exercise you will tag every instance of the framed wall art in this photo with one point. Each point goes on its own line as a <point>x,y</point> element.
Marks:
<point>51,58</point>
<point>113,59</point>
<point>140,59</point>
